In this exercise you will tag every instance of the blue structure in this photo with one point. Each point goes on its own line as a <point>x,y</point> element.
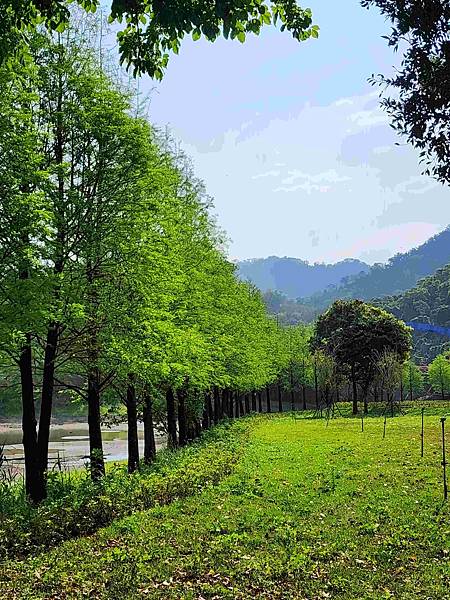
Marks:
<point>429,328</point>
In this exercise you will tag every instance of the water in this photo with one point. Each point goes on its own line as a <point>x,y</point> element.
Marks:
<point>69,444</point>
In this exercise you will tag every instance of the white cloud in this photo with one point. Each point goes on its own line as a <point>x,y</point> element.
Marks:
<point>266,174</point>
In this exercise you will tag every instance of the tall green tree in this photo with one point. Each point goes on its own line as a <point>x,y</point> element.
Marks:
<point>354,333</point>
<point>439,374</point>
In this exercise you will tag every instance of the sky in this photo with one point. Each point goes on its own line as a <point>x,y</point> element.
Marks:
<point>292,145</point>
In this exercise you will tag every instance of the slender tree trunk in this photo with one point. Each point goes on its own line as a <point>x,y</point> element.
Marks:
<point>280,398</point>
<point>209,407</point>
<point>94,423</point>
<point>366,406</point>
<point>304,396</point>
<point>48,384</point>
<point>231,400</point>
<point>133,444</point>
<point>241,405</point>
<point>205,421</point>
<point>316,386</point>
<point>149,429</point>
<point>410,383</point>
<point>172,440</point>
<point>247,403</point>
<point>260,408</point>
<point>34,484</point>
<point>182,419</point>
<point>216,405</point>
<point>355,392</point>
<point>269,405</point>
<point>48,375</point>
<point>291,381</point>
<point>253,393</point>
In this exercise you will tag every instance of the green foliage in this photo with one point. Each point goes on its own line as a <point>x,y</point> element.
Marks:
<point>355,334</point>
<point>439,374</point>
<point>419,105</point>
<point>309,512</point>
<point>427,302</point>
<point>152,30</point>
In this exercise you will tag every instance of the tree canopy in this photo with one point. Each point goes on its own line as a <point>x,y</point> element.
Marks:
<point>151,30</point>
<point>420,102</point>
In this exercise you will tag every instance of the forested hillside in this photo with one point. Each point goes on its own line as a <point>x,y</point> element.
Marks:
<point>428,303</point>
<point>294,277</point>
<point>400,273</point>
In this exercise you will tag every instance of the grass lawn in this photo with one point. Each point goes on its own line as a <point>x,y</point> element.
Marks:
<point>311,511</point>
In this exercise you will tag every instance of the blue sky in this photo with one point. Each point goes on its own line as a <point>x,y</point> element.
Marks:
<point>292,145</point>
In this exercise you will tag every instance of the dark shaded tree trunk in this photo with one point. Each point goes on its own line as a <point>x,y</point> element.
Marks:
<point>247,403</point>
<point>172,440</point>
<point>48,384</point>
<point>260,408</point>
<point>34,484</point>
<point>216,405</point>
<point>209,408</point>
<point>231,400</point>
<point>94,423</point>
<point>316,386</point>
<point>269,405</point>
<point>253,401</point>
<point>133,444</point>
<point>355,392</point>
<point>205,420</point>
<point>182,418</point>
<point>410,384</point>
<point>280,398</point>
<point>149,429</point>
<point>291,382</point>
<point>241,406</point>
<point>304,396</point>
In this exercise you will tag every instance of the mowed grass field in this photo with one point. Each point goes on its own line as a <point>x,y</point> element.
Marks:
<point>311,511</point>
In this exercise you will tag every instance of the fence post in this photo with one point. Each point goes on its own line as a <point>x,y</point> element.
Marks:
<point>444,462</point>
<point>421,453</point>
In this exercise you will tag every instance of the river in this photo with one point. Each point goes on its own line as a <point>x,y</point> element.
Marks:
<point>69,444</point>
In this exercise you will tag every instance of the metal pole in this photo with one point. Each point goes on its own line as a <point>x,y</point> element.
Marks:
<point>421,453</point>
<point>444,463</point>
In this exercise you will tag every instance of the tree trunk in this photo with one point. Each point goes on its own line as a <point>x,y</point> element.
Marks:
<point>260,409</point>
<point>95,432</point>
<point>280,398</point>
<point>133,444</point>
<point>316,386</point>
<point>182,419</point>
<point>304,396</point>
<point>216,405</point>
<point>241,406</point>
<point>253,393</point>
<point>291,381</point>
<point>355,392</point>
<point>410,383</point>
<point>269,406</point>
<point>149,430</point>
<point>209,406</point>
<point>172,441</point>
<point>247,403</point>
<point>48,383</point>
<point>34,484</point>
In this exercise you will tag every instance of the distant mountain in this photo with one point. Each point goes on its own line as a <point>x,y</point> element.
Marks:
<point>428,303</point>
<point>400,273</point>
<point>294,277</point>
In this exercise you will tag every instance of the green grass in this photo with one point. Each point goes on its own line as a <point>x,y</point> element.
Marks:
<point>310,512</point>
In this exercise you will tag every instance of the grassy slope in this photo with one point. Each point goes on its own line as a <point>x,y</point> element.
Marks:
<point>311,512</point>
